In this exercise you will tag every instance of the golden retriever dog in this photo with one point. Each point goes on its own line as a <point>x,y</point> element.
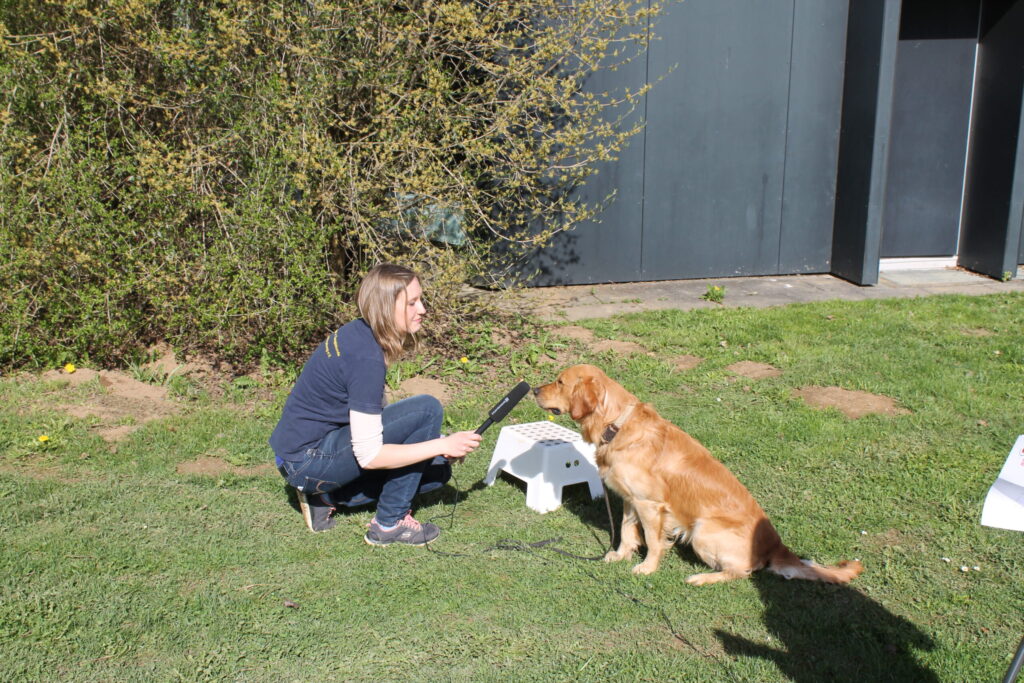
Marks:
<point>673,489</point>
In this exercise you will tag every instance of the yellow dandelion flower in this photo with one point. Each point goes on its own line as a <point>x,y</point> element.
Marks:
<point>463,360</point>
<point>69,368</point>
<point>551,418</point>
<point>43,438</point>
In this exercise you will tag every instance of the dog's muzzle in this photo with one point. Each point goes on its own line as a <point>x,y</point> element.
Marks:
<point>554,411</point>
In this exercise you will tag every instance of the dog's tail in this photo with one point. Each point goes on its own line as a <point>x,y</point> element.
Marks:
<point>784,563</point>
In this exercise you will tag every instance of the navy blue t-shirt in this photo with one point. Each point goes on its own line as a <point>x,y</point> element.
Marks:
<point>346,372</point>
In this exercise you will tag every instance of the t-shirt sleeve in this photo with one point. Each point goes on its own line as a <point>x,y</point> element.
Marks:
<point>365,383</point>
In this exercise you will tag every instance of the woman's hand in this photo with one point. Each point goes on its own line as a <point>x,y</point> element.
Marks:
<point>458,445</point>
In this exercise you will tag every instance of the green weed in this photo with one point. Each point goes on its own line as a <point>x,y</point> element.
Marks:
<point>715,294</point>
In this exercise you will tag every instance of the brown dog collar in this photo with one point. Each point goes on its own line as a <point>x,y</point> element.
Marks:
<point>611,430</point>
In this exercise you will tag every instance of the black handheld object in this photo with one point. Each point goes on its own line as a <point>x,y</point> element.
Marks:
<point>502,408</point>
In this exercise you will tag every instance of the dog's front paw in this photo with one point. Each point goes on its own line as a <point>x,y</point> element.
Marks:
<point>615,555</point>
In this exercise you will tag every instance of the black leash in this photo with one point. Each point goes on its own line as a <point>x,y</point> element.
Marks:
<point>515,545</point>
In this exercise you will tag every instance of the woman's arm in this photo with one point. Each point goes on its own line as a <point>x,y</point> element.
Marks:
<point>394,455</point>
<point>372,453</point>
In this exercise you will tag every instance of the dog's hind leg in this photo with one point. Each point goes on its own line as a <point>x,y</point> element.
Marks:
<point>718,543</point>
<point>629,535</point>
<point>715,577</point>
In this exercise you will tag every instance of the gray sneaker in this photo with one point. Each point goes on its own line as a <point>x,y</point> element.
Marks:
<point>319,514</point>
<point>407,531</point>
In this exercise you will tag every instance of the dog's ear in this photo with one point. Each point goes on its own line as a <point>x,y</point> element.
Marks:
<point>586,396</point>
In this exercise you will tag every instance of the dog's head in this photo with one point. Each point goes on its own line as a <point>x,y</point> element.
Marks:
<point>580,391</point>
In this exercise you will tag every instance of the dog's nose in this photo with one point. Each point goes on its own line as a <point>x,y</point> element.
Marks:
<point>536,390</point>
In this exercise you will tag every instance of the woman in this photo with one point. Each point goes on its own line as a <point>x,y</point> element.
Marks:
<point>337,443</point>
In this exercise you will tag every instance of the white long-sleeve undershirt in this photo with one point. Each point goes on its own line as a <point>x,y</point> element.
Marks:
<point>367,436</point>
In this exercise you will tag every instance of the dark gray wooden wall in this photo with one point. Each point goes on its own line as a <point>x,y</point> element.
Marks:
<point>800,136</point>
<point>734,173</point>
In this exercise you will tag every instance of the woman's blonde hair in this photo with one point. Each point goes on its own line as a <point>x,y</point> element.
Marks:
<point>378,293</point>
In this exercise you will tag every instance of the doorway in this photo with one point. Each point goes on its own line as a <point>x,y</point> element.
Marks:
<point>931,118</point>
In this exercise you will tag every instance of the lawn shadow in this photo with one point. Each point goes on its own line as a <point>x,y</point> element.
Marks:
<point>829,632</point>
<point>293,497</point>
<point>447,495</point>
<point>594,513</point>
<point>821,632</point>
<point>606,530</point>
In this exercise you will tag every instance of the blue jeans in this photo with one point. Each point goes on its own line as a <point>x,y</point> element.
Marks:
<point>330,467</point>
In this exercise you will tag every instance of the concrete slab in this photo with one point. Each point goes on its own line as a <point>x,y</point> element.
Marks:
<point>944,276</point>
<point>579,302</point>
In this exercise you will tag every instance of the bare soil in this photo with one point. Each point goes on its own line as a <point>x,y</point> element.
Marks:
<point>624,347</point>
<point>574,332</point>
<point>853,404</point>
<point>754,370</point>
<point>420,385</point>
<point>686,362</point>
<point>122,405</point>
<point>215,467</point>
<point>587,337</point>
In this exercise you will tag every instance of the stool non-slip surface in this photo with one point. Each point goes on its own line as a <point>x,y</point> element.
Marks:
<point>545,431</point>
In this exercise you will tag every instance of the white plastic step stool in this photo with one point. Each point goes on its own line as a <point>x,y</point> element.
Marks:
<point>547,457</point>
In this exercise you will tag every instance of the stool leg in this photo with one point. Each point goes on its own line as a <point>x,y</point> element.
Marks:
<point>492,472</point>
<point>543,496</point>
<point>596,487</point>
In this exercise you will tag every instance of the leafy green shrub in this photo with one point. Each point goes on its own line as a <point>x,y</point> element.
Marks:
<point>219,175</point>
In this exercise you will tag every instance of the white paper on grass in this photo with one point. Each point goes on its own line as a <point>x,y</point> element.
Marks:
<point>1004,505</point>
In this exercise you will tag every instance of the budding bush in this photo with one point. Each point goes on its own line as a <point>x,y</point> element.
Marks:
<point>220,175</point>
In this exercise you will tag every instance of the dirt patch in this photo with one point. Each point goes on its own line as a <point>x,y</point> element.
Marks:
<point>584,335</point>
<point>166,362</point>
<point>502,338</point>
<point>114,434</point>
<point>563,358</point>
<point>891,538</point>
<point>977,332</point>
<point>420,385</point>
<point>198,368</point>
<point>754,370</point>
<point>206,466</point>
<point>123,405</point>
<point>77,378</point>
<point>853,404</point>
<point>623,347</point>
<point>686,362</point>
<point>574,332</point>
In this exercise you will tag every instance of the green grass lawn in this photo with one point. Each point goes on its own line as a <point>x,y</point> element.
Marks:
<point>116,567</point>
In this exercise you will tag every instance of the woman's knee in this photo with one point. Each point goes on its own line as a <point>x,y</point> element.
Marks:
<point>427,403</point>
<point>413,419</point>
<point>429,406</point>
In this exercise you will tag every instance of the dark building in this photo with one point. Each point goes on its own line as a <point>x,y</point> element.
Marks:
<point>801,136</point>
